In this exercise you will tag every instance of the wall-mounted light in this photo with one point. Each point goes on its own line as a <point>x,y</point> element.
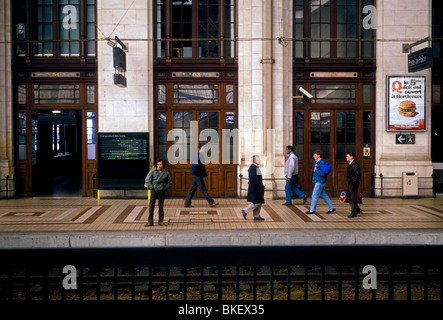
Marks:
<point>282,41</point>
<point>111,43</point>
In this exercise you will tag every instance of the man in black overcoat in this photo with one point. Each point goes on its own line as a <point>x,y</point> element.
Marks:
<point>353,177</point>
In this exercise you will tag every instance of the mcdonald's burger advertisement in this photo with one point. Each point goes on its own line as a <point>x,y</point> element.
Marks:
<point>406,102</point>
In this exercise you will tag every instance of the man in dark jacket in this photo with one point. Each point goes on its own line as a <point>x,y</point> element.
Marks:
<point>198,171</point>
<point>256,190</point>
<point>158,181</point>
<point>353,177</point>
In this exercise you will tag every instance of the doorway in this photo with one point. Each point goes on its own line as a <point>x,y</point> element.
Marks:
<point>335,132</point>
<point>56,152</point>
<point>222,173</point>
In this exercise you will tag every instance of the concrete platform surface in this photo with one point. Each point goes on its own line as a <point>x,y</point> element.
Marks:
<point>74,222</point>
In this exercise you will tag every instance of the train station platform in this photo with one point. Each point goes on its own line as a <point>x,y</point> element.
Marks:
<point>76,222</point>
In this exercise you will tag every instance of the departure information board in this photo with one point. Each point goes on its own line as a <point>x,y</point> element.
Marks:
<point>123,158</point>
<point>123,146</point>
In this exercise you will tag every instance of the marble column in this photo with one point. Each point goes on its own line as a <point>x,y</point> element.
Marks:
<point>408,21</point>
<point>265,85</point>
<point>6,120</point>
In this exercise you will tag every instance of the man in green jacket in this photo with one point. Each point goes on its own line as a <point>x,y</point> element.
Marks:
<point>158,181</point>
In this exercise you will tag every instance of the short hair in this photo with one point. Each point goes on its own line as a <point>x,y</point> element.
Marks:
<point>255,156</point>
<point>290,148</point>
<point>162,161</point>
<point>352,154</point>
<point>318,152</point>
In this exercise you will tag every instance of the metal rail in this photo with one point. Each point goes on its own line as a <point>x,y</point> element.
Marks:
<point>294,273</point>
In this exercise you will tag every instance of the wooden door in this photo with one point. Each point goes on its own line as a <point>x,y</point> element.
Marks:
<point>89,146</point>
<point>24,153</point>
<point>205,125</point>
<point>320,138</point>
<point>335,133</point>
<point>353,133</point>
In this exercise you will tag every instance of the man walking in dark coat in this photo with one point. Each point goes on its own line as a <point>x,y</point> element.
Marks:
<point>353,177</point>
<point>198,171</point>
<point>256,190</point>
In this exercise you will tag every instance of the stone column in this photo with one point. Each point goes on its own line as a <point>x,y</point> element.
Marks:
<point>409,21</point>
<point>6,119</point>
<point>265,86</point>
<point>125,109</point>
<point>282,86</point>
<point>250,82</point>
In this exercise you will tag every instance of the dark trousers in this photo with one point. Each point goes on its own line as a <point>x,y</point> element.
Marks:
<point>352,197</point>
<point>161,199</point>
<point>198,182</point>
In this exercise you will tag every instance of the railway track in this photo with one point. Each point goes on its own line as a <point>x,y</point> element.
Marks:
<point>232,282</point>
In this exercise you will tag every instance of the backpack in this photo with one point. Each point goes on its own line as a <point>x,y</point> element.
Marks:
<point>326,167</point>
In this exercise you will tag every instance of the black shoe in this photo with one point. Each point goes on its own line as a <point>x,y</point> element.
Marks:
<point>352,216</point>
<point>304,199</point>
<point>359,211</point>
<point>331,210</point>
<point>287,204</point>
<point>310,212</point>
<point>259,218</point>
<point>244,214</point>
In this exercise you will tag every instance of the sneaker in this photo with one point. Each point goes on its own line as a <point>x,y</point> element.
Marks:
<point>259,218</point>
<point>310,212</point>
<point>149,224</point>
<point>213,204</point>
<point>162,224</point>
<point>304,199</point>
<point>286,204</point>
<point>244,214</point>
<point>352,216</point>
<point>331,210</point>
<point>188,206</point>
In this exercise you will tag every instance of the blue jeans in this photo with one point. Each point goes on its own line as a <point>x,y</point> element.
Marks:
<point>291,186</point>
<point>320,192</point>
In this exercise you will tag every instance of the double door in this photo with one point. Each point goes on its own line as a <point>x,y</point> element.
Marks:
<point>335,132</point>
<point>55,151</point>
<point>179,131</point>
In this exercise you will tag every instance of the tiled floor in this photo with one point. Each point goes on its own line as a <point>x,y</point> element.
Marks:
<point>70,215</point>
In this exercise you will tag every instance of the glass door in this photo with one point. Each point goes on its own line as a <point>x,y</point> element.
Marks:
<point>320,124</point>
<point>335,133</point>
<point>346,139</point>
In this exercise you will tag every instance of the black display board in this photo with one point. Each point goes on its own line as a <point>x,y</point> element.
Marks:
<point>123,159</point>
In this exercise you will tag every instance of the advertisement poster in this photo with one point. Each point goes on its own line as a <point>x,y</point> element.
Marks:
<point>406,102</point>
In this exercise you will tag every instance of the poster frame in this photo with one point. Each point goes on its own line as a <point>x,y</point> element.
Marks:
<point>390,106</point>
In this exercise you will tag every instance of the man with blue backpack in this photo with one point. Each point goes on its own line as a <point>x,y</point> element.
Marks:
<point>320,173</point>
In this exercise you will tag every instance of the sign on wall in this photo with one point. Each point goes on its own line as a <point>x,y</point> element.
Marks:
<point>406,102</point>
<point>420,60</point>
